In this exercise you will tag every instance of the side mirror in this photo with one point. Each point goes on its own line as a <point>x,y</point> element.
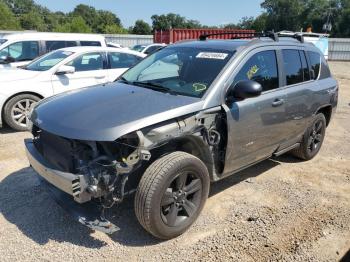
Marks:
<point>6,59</point>
<point>64,69</point>
<point>244,89</point>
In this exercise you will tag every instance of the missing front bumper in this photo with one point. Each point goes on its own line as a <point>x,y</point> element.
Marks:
<point>74,185</point>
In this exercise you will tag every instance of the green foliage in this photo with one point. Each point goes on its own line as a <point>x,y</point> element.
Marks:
<point>114,29</point>
<point>277,15</point>
<point>168,21</point>
<point>141,28</point>
<point>283,14</point>
<point>7,19</point>
<point>76,25</point>
<point>33,21</point>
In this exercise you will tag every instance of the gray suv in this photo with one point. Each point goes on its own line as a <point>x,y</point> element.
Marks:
<point>188,115</point>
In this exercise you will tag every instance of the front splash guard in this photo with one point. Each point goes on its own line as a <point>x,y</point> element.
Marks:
<point>89,214</point>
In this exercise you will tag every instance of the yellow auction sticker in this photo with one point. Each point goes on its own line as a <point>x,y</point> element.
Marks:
<point>198,87</point>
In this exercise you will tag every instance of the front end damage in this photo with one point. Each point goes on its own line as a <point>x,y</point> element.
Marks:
<point>81,173</point>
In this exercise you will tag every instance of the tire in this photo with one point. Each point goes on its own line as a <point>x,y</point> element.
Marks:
<point>312,139</point>
<point>171,194</point>
<point>17,109</point>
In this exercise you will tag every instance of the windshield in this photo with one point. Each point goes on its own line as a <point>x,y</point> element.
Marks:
<point>138,48</point>
<point>183,70</point>
<point>48,61</point>
<point>2,41</point>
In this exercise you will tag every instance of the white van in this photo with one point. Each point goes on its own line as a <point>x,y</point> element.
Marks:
<point>18,49</point>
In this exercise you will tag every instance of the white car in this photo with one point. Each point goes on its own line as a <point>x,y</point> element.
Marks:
<point>148,48</point>
<point>18,49</point>
<point>59,71</point>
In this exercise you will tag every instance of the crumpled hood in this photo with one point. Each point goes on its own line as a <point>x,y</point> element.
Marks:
<point>16,74</point>
<point>107,112</point>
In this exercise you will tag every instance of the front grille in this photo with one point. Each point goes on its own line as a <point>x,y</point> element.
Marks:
<point>56,150</point>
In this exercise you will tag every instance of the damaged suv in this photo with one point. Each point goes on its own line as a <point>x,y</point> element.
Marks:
<point>190,114</point>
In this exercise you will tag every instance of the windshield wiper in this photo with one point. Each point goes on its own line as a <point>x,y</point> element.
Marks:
<point>123,80</point>
<point>154,86</point>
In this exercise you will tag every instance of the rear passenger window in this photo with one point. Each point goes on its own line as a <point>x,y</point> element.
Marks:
<point>122,60</point>
<point>292,67</point>
<point>315,61</point>
<point>262,68</point>
<point>306,72</point>
<point>54,45</point>
<point>71,43</point>
<point>90,43</point>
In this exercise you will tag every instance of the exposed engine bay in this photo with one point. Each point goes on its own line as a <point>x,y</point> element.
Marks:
<point>103,169</point>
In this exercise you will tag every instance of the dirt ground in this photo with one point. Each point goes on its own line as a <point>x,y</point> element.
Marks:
<point>280,209</point>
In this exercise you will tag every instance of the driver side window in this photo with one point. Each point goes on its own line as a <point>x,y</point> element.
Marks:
<point>261,68</point>
<point>22,51</point>
<point>87,62</point>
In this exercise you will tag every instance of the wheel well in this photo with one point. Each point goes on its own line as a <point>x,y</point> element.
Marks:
<point>327,112</point>
<point>189,144</point>
<point>17,94</point>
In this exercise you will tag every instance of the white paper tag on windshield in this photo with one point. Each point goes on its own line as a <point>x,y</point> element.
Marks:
<point>210,55</point>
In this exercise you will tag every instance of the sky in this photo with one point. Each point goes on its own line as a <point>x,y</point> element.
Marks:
<point>207,12</point>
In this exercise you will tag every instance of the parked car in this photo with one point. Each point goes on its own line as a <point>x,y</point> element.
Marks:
<point>18,49</point>
<point>219,106</point>
<point>148,48</point>
<point>56,72</point>
<point>110,44</point>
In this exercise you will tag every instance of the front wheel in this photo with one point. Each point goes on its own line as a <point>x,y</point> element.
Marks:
<point>16,111</point>
<point>312,139</point>
<point>171,194</point>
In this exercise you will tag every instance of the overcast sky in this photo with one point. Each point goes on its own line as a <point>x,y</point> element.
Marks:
<point>208,12</point>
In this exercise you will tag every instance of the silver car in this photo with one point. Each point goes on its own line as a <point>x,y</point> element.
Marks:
<point>188,115</point>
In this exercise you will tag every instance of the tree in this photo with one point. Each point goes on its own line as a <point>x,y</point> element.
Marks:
<point>87,13</point>
<point>7,20</point>
<point>106,20</point>
<point>283,14</point>
<point>76,25</point>
<point>114,29</point>
<point>141,28</point>
<point>33,21</point>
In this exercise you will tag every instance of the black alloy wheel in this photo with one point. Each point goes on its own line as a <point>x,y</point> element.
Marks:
<point>181,199</point>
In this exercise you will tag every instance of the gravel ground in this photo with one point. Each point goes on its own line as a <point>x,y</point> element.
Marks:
<point>280,209</point>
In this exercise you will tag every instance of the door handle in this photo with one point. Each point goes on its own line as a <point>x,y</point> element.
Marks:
<point>99,77</point>
<point>278,102</point>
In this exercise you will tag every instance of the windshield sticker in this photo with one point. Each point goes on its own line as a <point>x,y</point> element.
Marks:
<point>252,71</point>
<point>210,55</point>
<point>198,87</point>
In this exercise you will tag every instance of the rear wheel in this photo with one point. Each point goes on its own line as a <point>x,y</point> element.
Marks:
<point>16,111</point>
<point>171,194</point>
<point>312,139</point>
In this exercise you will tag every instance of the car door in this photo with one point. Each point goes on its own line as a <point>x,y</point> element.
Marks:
<point>120,62</point>
<point>297,85</point>
<point>255,126</point>
<point>90,70</point>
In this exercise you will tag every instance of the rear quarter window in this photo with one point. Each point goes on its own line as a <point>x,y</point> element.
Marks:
<point>319,65</point>
<point>90,43</point>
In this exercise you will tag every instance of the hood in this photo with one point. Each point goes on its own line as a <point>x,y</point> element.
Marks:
<point>16,74</point>
<point>107,112</point>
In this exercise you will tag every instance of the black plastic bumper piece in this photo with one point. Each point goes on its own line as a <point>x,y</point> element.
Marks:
<point>89,214</point>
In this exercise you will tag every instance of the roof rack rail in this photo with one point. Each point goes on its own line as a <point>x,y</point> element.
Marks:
<point>296,36</point>
<point>274,36</point>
